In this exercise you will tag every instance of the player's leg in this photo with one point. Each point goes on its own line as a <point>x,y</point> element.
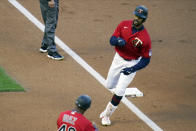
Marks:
<point>114,72</point>
<point>43,7</point>
<point>105,115</point>
<point>119,92</point>
<point>50,28</point>
<point>123,83</point>
<point>111,82</point>
<point>51,22</point>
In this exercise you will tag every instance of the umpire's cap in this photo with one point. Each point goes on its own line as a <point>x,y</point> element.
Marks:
<point>83,102</point>
<point>141,11</point>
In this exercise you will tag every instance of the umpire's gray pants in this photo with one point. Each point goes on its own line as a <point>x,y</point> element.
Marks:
<point>50,18</point>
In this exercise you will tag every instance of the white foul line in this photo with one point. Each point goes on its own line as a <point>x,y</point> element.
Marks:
<point>88,68</point>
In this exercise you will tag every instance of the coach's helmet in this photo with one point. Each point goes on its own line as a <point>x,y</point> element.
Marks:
<point>83,102</point>
<point>141,11</point>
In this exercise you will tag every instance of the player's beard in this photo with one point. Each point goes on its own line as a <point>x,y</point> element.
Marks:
<point>136,23</point>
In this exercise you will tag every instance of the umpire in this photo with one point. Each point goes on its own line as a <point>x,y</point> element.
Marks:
<point>50,10</point>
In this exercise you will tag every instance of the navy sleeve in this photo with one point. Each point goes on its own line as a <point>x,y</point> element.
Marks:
<point>141,64</point>
<point>113,41</point>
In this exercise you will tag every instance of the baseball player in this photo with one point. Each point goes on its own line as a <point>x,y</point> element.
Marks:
<point>50,10</point>
<point>73,120</point>
<point>133,52</point>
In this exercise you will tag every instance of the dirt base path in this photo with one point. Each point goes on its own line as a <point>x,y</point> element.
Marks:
<point>168,83</point>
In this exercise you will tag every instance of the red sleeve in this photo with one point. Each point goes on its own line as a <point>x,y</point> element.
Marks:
<point>90,127</point>
<point>146,50</point>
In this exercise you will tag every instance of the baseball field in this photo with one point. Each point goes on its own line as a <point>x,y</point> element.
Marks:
<point>83,32</point>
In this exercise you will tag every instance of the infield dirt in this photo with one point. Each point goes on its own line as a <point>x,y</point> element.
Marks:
<point>168,83</point>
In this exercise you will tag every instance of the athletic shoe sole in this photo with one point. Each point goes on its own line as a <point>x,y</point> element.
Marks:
<point>104,122</point>
<point>42,51</point>
<point>55,58</point>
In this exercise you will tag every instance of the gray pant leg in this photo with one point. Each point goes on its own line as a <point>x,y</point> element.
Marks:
<point>50,17</point>
<point>50,28</point>
<point>43,8</point>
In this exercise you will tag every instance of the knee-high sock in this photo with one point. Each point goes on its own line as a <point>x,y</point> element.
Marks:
<point>110,109</point>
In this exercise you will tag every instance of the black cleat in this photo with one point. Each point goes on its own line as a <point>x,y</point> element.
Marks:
<point>43,49</point>
<point>55,56</point>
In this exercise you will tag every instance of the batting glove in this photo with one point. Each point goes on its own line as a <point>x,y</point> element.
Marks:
<point>121,42</point>
<point>128,70</point>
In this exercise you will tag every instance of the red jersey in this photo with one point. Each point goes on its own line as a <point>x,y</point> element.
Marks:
<point>137,44</point>
<point>73,121</point>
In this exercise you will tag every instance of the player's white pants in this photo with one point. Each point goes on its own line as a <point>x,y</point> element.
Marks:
<point>118,80</point>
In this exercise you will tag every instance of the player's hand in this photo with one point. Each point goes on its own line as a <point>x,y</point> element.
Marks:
<point>127,71</point>
<point>51,4</point>
<point>121,42</point>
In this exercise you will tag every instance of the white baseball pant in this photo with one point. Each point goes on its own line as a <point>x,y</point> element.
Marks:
<point>116,80</point>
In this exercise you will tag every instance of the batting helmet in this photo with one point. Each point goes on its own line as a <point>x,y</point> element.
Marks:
<point>141,11</point>
<point>83,102</point>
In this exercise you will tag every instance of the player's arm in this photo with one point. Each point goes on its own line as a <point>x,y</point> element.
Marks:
<point>146,54</point>
<point>140,65</point>
<point>116,40</point>
<point>91,127</point>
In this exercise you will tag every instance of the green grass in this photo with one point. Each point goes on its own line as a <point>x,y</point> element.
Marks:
<point>7,84</point>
